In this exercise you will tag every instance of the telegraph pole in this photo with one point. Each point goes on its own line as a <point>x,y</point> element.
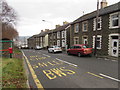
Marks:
<point>97,15</point>
<point>51,29</point>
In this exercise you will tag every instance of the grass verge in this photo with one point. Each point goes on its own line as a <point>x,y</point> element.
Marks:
<point>13,73</point>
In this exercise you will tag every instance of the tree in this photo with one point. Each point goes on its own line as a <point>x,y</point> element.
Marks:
<point>8,17</point>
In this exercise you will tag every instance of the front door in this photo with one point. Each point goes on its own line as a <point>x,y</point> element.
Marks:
<point>115,47</point>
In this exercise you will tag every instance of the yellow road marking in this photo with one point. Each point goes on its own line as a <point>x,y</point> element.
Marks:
<point>94,75</point>
<point>37,82</point>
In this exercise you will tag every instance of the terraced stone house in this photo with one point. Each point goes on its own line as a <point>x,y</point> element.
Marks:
<point>60,36</point>
<point>83,30</point>
<point>40,39</point>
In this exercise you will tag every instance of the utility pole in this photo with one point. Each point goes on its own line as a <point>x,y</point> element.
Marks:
<point>97,16</point>
<point>51,29</point>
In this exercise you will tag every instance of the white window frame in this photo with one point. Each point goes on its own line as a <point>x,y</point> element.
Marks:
<point>76,40</point>
<point>58,42</point>
<point>83,26</point>
<point>63,44</point>
<point>99,21</point>
<point>58,35</point>
<point>98,36</point>
<point>85,39</point>
<point>63,34</point>
<point>76,28</point>
<point>111,20</point>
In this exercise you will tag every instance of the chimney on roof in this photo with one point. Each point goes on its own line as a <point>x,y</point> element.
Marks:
<point>41,30</point>
<point>57,25</point>
<point>65,22</point>
<point>104,4</point>
<point>46,30</point>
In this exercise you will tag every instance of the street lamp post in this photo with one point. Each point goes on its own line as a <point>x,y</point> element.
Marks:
<point>51,28</point>
<point>97,15</point>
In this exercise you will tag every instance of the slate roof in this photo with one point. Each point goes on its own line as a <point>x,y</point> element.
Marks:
<point>60,28</point>
<point>42,34</point>
<point>103,11</point>
<point>32,36</point>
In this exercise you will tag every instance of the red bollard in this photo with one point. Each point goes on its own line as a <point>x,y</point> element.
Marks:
<point>10,51</point>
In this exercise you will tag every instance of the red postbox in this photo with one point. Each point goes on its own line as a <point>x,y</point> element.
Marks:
<point>10,50</point>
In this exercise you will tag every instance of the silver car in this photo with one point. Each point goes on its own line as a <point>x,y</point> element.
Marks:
<point>54,49</point>
<point>38,48</point>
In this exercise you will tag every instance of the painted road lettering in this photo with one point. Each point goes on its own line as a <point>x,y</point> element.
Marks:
<point>52,63</point>
<point>55,72</point>
<point>37,58</point>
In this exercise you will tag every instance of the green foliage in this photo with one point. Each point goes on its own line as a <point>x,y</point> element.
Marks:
<point>13,73</point>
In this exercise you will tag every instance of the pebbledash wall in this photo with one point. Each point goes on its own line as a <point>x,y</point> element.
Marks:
<point>108,32</point>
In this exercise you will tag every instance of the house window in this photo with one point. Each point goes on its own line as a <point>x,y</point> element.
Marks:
<point>85,26</point>
<point>85,40</point>
<point>98,41</point>
<point>54,36</point>
<point>63,43</point>
<point>58,42</point>
<point>51,36</point>
<point>99,24</point>
<point>58,34</point>
<point>114,20</point>
<point>63,34</point>
<point>54,43</point>
<point>76,40</point>
<point>76,29</point>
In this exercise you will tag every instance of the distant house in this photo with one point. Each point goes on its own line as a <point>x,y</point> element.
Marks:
<point>31,42</point>
<point>83,30</point>
<point>43,38</point>
<point>60,36</point>
<point>40,39</point>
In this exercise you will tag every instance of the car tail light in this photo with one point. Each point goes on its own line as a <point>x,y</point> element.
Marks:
<point>85,51</point>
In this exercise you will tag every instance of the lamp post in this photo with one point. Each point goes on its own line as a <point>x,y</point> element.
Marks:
<point>97,15</point>
<point>51,28</point>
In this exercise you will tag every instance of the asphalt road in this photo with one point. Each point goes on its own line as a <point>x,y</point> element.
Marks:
<point>60,70</point>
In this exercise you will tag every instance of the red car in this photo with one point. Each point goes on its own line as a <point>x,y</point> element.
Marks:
<point>80,49</point>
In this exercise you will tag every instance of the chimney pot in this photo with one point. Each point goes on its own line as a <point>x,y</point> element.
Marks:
<point>103,4</point>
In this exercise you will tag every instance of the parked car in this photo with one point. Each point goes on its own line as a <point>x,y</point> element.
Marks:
<point>80,49</point>
<point>38,48</point>
<point>54,49</point>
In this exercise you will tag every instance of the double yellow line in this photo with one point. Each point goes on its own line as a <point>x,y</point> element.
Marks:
<point>36,80</point>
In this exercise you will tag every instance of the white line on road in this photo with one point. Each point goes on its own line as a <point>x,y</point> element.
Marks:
<point>46,55</point>
<point>114,60</point>
<point>66,62</point>
<point>106,59</point>
<point>109,77</point>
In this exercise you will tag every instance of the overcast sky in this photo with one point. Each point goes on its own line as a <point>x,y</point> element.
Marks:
<point>32,12</point>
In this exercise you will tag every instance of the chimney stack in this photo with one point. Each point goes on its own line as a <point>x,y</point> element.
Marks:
<point>65,22</point>
<point>103,4</point>
<point>41,30</point>
<point>57,25</point>
<point>46,30</point>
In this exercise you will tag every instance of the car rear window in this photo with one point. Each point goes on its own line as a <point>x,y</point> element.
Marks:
<point>85,46</point>
<point>77,46</point>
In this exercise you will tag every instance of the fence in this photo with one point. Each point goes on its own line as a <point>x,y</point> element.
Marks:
<point>5,46</point>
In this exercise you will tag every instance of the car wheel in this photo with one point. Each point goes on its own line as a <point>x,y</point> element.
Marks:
<point>53,51</point>
<point>90,55</point>
<point>48,51</point>
<point>68,53</point>
<point>79,55</point>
